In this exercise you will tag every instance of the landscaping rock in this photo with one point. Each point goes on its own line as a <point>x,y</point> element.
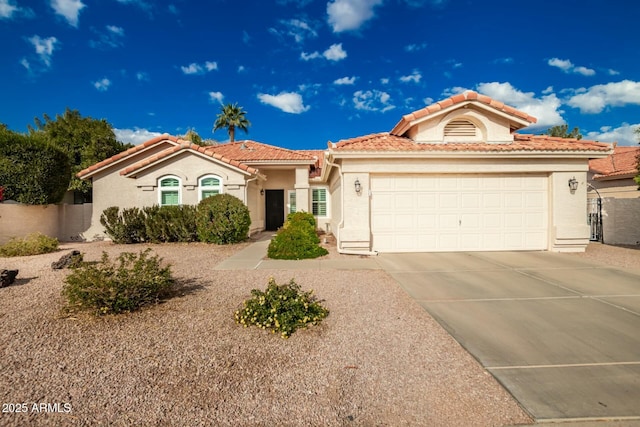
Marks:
<point>7,277</point>
<point>69,260</point>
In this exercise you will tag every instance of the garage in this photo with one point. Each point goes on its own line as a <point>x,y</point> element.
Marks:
<point>468,212</point>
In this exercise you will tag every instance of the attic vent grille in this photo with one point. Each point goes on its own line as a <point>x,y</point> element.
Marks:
<point>460,128</point>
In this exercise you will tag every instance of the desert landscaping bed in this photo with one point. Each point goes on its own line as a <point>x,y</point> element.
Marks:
<point>378,359</point>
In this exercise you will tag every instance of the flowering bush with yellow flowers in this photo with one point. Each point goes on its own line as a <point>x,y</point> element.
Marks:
<point>281,308</point>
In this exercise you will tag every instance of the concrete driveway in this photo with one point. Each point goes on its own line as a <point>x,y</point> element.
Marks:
<point>560,333</point>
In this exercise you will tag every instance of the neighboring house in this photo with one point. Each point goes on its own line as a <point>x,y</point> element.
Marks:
<point>449,177</point>
<point>613,196</point>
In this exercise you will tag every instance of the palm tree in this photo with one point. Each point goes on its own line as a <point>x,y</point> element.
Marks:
<point>231,117</point>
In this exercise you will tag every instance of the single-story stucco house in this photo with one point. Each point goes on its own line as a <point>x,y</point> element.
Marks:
<point>613,197</point>
<point>453,176</point>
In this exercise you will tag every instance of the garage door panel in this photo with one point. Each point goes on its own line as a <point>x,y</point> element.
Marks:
<point>459,212</point>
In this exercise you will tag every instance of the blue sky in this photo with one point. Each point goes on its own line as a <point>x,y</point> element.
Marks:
<point>312,71</point>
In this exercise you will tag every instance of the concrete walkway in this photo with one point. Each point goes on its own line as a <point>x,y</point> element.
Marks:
<point>253,257</point>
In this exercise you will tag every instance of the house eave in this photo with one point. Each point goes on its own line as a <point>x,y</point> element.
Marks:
<point>466,154</point>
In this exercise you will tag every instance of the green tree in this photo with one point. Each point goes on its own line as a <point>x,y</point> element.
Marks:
<point>32,171</point>
<point>85,141</point>
<point>193,136</point>
<point>562,131</point>
<point>231,117</point>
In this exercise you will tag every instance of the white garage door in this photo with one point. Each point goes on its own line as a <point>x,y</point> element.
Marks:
<point>426,213</point>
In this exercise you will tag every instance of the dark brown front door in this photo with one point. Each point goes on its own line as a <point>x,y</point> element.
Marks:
<point>274,209</point>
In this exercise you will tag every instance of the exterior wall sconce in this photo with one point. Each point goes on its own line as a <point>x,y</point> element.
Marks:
<point>358,186</point>
<point>262,191</point>
<point>573,184</point>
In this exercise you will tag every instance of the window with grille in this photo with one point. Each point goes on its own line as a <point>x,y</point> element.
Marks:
<point>209,185</point>
<point>169,191</point>
<point>292,201</point>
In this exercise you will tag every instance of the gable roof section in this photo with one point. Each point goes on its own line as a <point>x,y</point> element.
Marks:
<point>182,146</point>
<point>389,143</point>
<point>237,154</point>
<point>86,173</point>
<point>457,100</point>
<point>621,164</point>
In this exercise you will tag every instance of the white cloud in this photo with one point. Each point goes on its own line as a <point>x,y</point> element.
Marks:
<point>598,97</point>
<point>545,108</point>
<point>195,68</point>
<point>414,77</point>
<point>507,60</point>
<point>241,68</point>
<point>134,136</point>
<point>25,64</point>
<point>568,67</point>
<point>384,81</point>
<point>192,68</point>
<point>349,15</point>
<point>216,96</point>
<point>345,81</point>
<point>289,102</point>
<point>623,135</point>
<point>548,90</point>
<point>69,9</point>
<point>564,64</point>
<point>612,72</point>
<point>142,76</point>
<point>309,56</point>
<point>296,28</point>
<point>102,85</point>
<point>415,47</point>
<point>335,52</point>
<point>428,100</point>
<point>8,10</point>
<point>111,38</point>
<point>372,100</point>
<point>44,48</point>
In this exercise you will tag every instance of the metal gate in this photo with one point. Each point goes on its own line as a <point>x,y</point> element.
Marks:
<point>594,219</point>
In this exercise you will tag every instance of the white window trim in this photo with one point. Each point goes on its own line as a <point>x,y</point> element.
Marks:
<point>327,201</point>
<point>160,190</point>
<point>201,187</point>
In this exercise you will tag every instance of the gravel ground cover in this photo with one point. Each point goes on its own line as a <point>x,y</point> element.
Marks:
<point>377,359</point>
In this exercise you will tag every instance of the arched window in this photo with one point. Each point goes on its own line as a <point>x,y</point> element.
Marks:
<point>208,186</point>
<point>169,191</point>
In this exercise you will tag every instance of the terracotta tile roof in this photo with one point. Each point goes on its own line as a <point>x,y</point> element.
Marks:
<point>316,169</point>
<point>127,153</point>
<point>186,145</point>
<point>457,99</point>
<point>392,143</point>
<point>251,151</point>
<point>622,164</point>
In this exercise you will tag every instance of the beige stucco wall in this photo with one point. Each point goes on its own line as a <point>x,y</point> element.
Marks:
<point>64,222</point>
<point>568,229</point>
<point>619,188</point>
<point>112,189</point>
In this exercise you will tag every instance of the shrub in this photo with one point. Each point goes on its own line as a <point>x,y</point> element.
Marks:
<point>125,227</point>
<point>297,239</point>
<point>170,223</point>
<point>222,219</point>
<point>32,244</point>
<point>303,218</point>
<point>295,242</point>
<point>109,287</point>
<point>281,308</point>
